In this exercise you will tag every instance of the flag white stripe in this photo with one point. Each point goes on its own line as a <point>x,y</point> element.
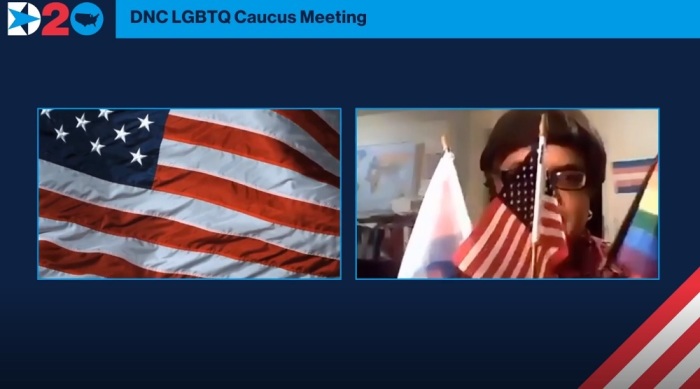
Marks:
<point>189,211</point>
<point>255,174</point>
<point>479,244</point>
<point>154,257</point>
<point>683,371</point>
<point>524,259</point>
<point>545,259</point>
<point>554,232</point>
<point>50,273</point>
<point>657,346</point>
<point>519,235</point>
<point>272,125</point>
<point>330,116</point>
<point>505,234</point>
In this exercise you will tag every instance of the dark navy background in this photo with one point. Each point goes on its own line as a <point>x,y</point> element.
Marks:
<point>553,333</point>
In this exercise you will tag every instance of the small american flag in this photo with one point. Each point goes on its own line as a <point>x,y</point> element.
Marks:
<point>189,194</point>
<point>500,244</point>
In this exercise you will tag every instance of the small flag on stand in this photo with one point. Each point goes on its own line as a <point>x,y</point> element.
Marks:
<point>501,245</point>
<point>636,248</point>
<point>442,224</point>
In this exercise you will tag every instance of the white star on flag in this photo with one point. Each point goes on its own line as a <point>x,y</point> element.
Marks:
<point>145,123</point>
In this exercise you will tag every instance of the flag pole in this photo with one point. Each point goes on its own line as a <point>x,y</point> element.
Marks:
<point>445,146</point>
<point>539,192</point>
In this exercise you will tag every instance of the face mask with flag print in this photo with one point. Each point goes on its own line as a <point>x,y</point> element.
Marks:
<point>500,245</point>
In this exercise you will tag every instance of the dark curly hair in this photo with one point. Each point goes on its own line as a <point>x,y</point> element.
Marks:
<point>568,128</point>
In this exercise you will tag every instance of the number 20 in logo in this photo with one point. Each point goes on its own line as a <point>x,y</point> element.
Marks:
<point>24,19</point>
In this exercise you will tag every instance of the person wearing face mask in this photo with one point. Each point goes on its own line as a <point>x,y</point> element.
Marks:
<point>575,160</point>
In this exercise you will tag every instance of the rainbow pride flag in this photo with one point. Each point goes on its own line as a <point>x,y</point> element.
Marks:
<point>638,246</point>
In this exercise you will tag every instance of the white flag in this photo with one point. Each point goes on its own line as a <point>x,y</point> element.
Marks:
<point>441,226</point>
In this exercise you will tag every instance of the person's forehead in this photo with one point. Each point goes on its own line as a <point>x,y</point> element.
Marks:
<point>555,156</point>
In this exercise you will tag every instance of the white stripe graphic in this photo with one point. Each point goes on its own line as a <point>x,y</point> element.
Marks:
<point>182,209</point>
<point>151,256</point>
<point>50,273</point>
<point>272,125</point>
<point>269,178</point>
<point>657,346</point>
<point>683,371</point>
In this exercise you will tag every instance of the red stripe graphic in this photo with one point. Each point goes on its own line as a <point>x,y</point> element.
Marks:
<point>670,359</point>
<point>646,333</point>
<point>693,382</point>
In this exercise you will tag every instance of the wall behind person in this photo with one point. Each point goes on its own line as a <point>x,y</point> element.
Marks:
<point>627,134</point>
<point>466,132</point>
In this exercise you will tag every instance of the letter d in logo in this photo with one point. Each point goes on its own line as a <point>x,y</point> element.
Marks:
<point>22,19</point>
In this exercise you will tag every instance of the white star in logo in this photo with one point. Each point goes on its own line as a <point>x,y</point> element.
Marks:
<point>96,146</point>
<point>137,157</point>
<point>121,134</point>
<point>104,113</point>
<point>46,112</point>
<point>82,122</point>
<point>145,123</point>
<point>60,134</point>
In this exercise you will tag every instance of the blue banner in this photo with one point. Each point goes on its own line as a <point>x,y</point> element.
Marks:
<point>406,19</point>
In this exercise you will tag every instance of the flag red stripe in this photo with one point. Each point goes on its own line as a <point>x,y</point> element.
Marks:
<point>513,265</point>
<point>479,229</point>
<point>646,332</point>
<point>502,251</point>
<point>550,222</point>
<point>247,144</point>
<point>238,197</point>
<point>489,241</point>
<point>693,382</point>
<point>172,234</point>
<point>52,256</point>
<point>315,126</point>
<point>668,360</point>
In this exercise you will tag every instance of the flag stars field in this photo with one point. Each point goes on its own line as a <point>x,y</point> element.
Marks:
<point>60,134</point>
<point>82,122</point>
<point>121,134</point>
<point>137,157</point>
<point>145,123</point>
<point>97,145</point>
<point>104,113</point>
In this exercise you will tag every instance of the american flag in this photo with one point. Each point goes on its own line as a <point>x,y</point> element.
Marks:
<point>500,243</point>
<point>189,193</point>
<point>664,352</point>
